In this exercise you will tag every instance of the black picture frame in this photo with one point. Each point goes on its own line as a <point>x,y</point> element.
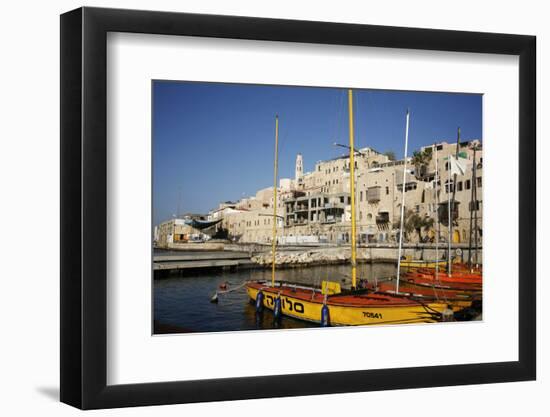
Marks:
<point>84,207</point>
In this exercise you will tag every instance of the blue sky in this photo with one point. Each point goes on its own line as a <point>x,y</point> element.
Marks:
<point>214,142</point>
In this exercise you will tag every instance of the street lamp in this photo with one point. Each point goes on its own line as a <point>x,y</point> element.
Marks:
<point>348,148</point>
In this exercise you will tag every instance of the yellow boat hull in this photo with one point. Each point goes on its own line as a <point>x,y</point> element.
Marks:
<point>352,315</point>
<point>422,264</point>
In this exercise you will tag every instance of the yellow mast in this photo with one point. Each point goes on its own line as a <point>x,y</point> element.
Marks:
<point>352,191</point>
<point>274,237</point>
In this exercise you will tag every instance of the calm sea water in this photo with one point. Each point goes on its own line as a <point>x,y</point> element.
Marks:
<point>182,303</point>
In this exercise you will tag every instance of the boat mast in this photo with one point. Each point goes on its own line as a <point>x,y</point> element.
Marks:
<point>472,208</point>
<point>449,262</point>
<point>474,186</point>
<point>402,204</point>
<point>436,215</point>
<point>449,272</point>
<point>352,191</point>
<point>274,236</point>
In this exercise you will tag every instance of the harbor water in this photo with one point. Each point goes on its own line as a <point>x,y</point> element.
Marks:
<point>182,302</point>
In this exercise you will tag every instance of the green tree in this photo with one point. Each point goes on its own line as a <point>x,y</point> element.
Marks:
<point>421,160</point>
<point>390,155</point>
<point>414,223</point>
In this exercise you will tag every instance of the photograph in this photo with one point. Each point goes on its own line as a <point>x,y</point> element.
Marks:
<point>279,207</point>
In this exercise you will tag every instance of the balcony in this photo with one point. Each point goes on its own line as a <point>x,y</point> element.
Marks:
<point>373,194</point>
<point>329,206</point>
<point>383,217</point>
<point>443,212</point>
<point>330,219</point>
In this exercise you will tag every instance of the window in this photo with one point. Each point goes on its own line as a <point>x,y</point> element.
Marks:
<point>361,196</point>
<point>467,184</point>
<point>387,190</point>
<point>449,187</point>
<point>459,186</point>
<point>479,182</point>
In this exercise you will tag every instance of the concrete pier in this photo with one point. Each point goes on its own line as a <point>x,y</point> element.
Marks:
<point>199,260</point>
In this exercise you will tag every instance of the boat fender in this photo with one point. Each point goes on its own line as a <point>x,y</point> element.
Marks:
<point>447,314</point>
<point>277,308</point>
<point>259,302</point>
<point>325,316</point>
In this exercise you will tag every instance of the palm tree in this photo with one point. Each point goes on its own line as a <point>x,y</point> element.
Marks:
<point>421,160</point>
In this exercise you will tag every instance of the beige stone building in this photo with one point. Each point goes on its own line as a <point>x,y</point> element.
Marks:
<point>175,231</point>
<point>315,207</point>
<point>466,184</point>
<point>380,194</point>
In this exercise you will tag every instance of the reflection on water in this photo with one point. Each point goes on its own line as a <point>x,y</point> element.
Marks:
<point>182,303</point>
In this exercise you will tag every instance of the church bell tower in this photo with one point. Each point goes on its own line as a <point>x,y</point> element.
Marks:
<point>299,168</point>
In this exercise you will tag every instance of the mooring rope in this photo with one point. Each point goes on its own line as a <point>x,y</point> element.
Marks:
<point>214,298</point>
<point>233,289</point>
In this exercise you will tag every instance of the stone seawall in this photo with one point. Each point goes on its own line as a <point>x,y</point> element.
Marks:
<point>322,256</point>
<point>295,256</point>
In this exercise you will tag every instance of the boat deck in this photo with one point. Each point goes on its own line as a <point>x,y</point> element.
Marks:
<point>366,299</point>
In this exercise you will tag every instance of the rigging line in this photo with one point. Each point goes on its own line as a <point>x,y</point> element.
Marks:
<point>358,121</point>
<point>339,117</point>
<point>370,104</point>
<point>334,121</point>
<point>419,319</point>
<point>283,141</point>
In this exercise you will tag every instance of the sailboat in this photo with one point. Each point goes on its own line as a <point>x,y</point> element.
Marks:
<point>420,263</point>
<point>456,298</point>
<point>330,304</point>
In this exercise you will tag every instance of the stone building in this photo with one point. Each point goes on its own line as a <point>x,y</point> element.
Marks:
<point>175,231</point>
<point>380,194</point>
<point>315,207</point>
